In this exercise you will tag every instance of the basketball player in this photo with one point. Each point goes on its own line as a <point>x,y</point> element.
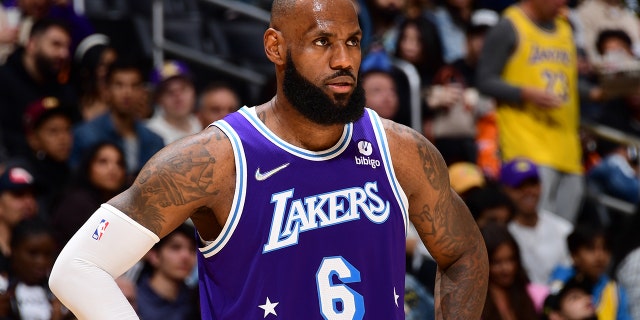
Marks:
<point>301,204</point>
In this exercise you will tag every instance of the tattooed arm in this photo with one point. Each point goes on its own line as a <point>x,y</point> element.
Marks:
<point>193,177</point>
<point>444,223</point>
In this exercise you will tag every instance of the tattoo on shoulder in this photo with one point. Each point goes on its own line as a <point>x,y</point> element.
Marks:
<point>181,177</point>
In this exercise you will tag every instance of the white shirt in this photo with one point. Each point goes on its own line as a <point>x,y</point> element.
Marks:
<point>544,246</point>
<point>168,132</point>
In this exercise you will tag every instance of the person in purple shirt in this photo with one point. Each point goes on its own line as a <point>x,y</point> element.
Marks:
<point>301,204</point>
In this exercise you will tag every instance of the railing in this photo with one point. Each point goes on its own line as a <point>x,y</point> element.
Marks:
<point>162,45</point>
<point>620,137</point>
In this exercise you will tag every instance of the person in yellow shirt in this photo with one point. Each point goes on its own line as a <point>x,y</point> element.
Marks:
<point>529,64</point>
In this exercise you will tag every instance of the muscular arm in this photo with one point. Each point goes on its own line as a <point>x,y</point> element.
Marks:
<point>183,180</point>
<point>193,177</point>
<point>444,223</point>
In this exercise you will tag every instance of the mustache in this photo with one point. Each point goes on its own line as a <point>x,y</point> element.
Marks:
<point>341,73</point>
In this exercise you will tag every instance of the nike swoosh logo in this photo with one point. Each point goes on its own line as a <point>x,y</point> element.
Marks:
<point>266,175</point>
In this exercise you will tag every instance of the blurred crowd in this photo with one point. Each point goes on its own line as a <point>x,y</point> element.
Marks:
<point>506,90</point>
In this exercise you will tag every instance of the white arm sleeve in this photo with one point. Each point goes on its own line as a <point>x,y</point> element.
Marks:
<point>106,246</point>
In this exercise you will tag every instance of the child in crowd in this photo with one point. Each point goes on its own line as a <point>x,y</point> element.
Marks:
<point>33,251</point>
<point>572,302</point>
<point>591,254</point>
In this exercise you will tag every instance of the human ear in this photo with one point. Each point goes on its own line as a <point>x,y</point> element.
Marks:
<point>274,46</point>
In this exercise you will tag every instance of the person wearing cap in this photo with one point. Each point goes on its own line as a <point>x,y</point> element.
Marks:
<point>17,203</point>
<point>465,176</point>
<point>48,128</point>
<point>529,64</point>
<point>175,99</point>
<point>33,73</point>
<point>120,125</point>
<point>572,302</point>
<point>541,235</point>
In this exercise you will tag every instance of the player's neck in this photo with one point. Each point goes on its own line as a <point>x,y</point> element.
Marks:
<point>290,125</point>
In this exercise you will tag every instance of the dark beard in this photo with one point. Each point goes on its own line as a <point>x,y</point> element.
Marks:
<point>315,104</point>
<point>45,67</point>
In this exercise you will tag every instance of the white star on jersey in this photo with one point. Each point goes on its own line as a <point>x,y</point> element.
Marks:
<point>395,296</point>
<point>270,308</point>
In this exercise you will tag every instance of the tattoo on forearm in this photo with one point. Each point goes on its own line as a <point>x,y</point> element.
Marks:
<point>462,286</point>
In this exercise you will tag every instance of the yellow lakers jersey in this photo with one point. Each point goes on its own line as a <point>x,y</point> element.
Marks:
<point>545,60</point>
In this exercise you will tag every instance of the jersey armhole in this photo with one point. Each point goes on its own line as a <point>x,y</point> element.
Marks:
<point>212,247</point>
<point>385,154</point>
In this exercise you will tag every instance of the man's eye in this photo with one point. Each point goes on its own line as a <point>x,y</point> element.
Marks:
<point>353,42</point>
<point>321,42</point>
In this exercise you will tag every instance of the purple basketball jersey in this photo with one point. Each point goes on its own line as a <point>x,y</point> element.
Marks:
<point>310,235</point>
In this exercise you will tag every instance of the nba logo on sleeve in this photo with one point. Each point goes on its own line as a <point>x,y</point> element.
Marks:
<point>97,234</point>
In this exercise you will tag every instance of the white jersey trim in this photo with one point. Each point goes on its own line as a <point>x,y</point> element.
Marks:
<point>336,150</point>
<point>383,144</point>
<point>238,196</point>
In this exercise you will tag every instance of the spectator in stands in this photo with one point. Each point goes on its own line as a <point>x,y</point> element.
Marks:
<point>541,235</point>
<point>598,15</point>
<point>510,294</point>
<point>91,61</point>
<point>626,261</point>
<point>120,125</point>
<point>17,203</point>
<point>31,11</point>
<point>215,102</point>
<point>383,18</point>
<point>452,19</point>
<point>33,253</point>
<point>615,48</point>
<point>529,65</point>
<point>572,302</point>
<point>591,254</point>
<point>380,92</point>
<point>465,177</point>
<point>100,176</point>
<point>50,138</point>
<point>454,103</point>
<point>419,44</point>
<point>163,293</point>
<point>175,99</point>
<point>490,204</point>
<point>418,302</point>
<point>8,31</point>
<point>615,174</point>
<point>33,73</point>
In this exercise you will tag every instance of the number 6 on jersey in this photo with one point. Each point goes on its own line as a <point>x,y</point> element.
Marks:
<point>338,301</point>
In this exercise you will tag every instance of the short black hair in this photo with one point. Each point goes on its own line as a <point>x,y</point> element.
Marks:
<point>126,63</point>
<point>27,228</point>
<point>553,302</point>
<point>42,25</point>
<point>607,34</point>
<point>584,236</point>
